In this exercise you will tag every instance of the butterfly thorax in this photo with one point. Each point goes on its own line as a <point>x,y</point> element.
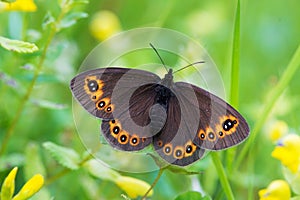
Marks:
<point>163,89</point>
<point>168,79</point>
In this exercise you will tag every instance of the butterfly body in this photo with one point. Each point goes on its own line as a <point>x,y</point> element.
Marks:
<point>138,108</point>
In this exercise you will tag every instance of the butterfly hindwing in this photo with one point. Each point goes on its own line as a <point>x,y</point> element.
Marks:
<point>175,143</point>
<point>134,124</point>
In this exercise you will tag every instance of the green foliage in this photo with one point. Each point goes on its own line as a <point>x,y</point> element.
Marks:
<point>65,156</point>
<point>191,195</point>
<point>8,1</point>
<point>254,46</point>
<point>17,46</point>
<point>71,19</point>
<point>14,159</point>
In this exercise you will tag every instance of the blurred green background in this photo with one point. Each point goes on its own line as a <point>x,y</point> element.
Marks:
<point>270,33</point>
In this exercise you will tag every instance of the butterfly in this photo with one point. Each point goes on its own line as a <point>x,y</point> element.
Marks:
<point>138,109</point>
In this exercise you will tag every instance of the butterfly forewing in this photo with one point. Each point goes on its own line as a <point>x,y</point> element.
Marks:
<point>116,96</point>
<point>93,89</point>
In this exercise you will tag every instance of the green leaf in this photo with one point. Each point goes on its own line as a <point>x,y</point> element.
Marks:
<point>17,45</point>
<point>181,170</point>
<point>97,169</point>
<point>161,163</point>
<point>69,4</point>
<point>11,160</point>
<point>64,156</point>
<point>292,179</point>
<point>8,1</point>
<point>90,187</point>
<point>48,104</point>
<point>296,198</point>
<point>191,195</point>
<point>48,20</point>
<point>33,161</point>
<point>71,19</point>
<point>173,168</point>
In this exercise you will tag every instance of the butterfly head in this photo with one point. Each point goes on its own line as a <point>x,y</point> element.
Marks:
<point>168,79</point>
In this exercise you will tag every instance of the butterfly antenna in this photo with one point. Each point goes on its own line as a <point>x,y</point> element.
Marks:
<point>161,60</point>
<point>199,62</point>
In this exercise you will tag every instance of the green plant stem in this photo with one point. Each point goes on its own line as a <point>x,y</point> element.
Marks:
<point>160,172</point>
<point>27,95</point>
<point>235,60</point>
<point>235,69</point>
<point>222,175</point>
<point>275,94</point>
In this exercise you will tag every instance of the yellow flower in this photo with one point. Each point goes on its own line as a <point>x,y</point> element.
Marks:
<point>288,152</point>
<point>8,186</point>
<point>104,24</point>
<point>277,190</point>
<point>20,5</point>
<point>277,130</point>
<point>133,187</point>
<point>30,188</point>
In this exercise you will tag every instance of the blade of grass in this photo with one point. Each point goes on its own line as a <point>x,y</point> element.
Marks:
<point>222,175</point>
<point>234,100</point>
<point>277,91</point>
<point>235,69</point>
<point>235,60</point>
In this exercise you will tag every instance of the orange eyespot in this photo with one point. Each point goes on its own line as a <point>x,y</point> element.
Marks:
<point>190,148</point>
<point>178,152</point>
<point>103,104</point>
<point>134,140</point>
<point>201,135</point>
<point>160,143</point>
<point>210,134</point>
<point>123,137</point>
<point>168,149</point>
<point>93,87</point>
<point>228,124</point>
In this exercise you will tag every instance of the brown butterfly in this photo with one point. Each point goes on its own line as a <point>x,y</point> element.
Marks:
<point>138,108</point>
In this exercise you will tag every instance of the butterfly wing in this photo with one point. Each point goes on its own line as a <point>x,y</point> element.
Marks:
<point>123,98</point>
<point>175,142</point>
<point>220,125</point>
<point>197,120</point>
<point>133,125</point>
